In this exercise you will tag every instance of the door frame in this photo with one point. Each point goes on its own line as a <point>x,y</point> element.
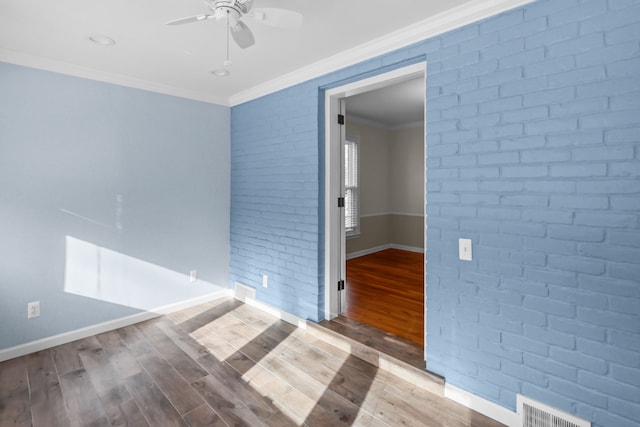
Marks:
<point>334,228</point>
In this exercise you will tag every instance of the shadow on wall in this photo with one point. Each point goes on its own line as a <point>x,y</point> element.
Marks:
<point>99,273</point>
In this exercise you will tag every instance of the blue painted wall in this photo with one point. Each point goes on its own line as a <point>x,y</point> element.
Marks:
<point>533,146</point>
<point>140,174</point>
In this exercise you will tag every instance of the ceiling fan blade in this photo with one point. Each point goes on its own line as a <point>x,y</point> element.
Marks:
<point>189,19</point>
<point>242,35</point>
<point>275,17</point>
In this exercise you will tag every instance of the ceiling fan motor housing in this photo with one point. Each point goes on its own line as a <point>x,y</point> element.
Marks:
<point>234,9</point>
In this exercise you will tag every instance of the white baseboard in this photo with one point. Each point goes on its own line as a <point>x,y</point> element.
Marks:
<point>66,337</point>
<point>483,406</point>
<point>368,251</point>
<point>247,295</point>
<point>407,248</point>
<point>276,312</point>
<point>382,248</point>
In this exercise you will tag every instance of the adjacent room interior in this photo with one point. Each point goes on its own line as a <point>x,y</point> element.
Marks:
<point>384,219</point>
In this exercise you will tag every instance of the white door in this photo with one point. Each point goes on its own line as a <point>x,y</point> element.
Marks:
<point>342,237</point>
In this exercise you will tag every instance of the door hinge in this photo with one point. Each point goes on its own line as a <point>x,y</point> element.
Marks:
<point>341,202</point>
<point>341,285</point>
<point>340,119</point>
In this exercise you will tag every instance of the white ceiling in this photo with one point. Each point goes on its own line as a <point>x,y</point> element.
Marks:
<point>177,60</point>
<point>392,106</point>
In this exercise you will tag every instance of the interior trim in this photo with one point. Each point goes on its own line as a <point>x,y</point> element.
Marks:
<point>66,337</point>
<point>276,312</point>
<point>478,404</point>
<point>457,17</point>
<point>41,63</point>
<point>375,249</point>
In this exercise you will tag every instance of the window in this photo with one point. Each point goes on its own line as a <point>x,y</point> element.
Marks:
<point>351,190</point>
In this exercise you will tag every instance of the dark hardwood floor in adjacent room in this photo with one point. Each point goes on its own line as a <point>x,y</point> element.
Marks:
<point>222,363</point>
<point>386,290</point>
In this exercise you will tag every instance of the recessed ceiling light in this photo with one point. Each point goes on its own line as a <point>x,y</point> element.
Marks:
<point>102,40</point>
<point>221,72</point>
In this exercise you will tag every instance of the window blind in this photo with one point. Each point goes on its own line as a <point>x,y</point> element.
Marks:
<point>351,190</point>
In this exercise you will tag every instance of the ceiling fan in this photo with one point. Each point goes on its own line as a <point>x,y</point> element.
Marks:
<point>234,12</point>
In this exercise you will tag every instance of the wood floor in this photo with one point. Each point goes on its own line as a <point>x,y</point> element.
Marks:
<point>218,364</point>
<point>386,290</point>
<point>379,340</point>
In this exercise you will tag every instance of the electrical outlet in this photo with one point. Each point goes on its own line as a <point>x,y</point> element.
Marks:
<point>265,281</point>
<point>193,276</point>
<point>464,249</point>
<point>33,309</point>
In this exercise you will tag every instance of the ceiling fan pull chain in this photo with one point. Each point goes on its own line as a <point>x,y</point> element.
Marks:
<point>228,61</point>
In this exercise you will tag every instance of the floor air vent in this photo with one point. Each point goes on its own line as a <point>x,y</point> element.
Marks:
<point>536,414</point>
<point>243,292</point>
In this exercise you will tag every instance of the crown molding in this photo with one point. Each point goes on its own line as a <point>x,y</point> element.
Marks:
<point>32,61</point>
<point>460,16</point>
<point>457,17</point>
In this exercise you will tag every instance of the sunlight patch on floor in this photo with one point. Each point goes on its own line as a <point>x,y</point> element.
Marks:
<point>279,376</point>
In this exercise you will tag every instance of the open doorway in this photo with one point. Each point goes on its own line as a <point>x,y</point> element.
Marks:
<point>384,205</point>
<point>381,261</point>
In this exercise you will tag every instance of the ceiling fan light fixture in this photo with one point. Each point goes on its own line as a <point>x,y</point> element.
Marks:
<point>221,72</point>
<point>102,40</point>
<point>223,12</point>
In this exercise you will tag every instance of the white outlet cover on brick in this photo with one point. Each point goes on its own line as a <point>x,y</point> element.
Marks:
<point>464,249</point>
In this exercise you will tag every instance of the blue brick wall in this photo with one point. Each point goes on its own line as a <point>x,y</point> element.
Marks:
<point>533,152</point>
<point>275,199</point>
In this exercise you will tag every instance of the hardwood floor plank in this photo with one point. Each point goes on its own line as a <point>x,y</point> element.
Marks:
<point>181,362</point>
<point>170,382</point>
<point>386,290</point>
<point>66,358</point>
<point>204,416</point>
<point>225,404</point>
<point>260,346</point>
<point>415,405</point>
<point>327,401</point>
<point>238,361</point>
<point>14,393</point>
<point>182,338</point>
<point>316,368</point>
<point>121,358</point>
<point>47,401</point>
<point>280,420</point>
<point>210,315</point>
<point>231,380</point>
<point>346,389</point>
<point>218,347</point>
<point>83,405</point>
<point>366,419</point>
<point>387,343</point>
<point>102,374</point>
<point>262,406</point>
<point>134,340</point>
<point>127,414</point>
<point>285,397</point>
<point>154,405</point>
